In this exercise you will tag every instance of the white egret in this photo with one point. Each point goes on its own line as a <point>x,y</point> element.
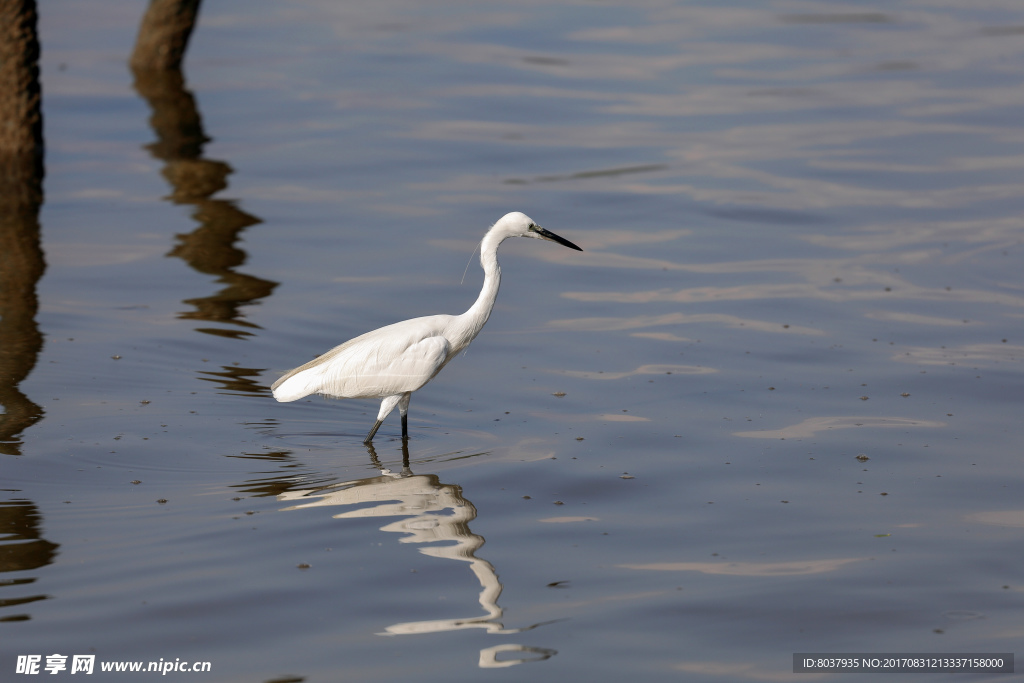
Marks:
<point>392,362</point>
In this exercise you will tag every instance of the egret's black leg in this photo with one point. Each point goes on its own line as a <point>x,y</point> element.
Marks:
<point>405,457</point>
<point>369,437</point>
<point>405,427</point>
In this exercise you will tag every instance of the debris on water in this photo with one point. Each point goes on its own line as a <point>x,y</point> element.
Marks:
<point>863,458</point>
<point>559,394</point>
<point>626,475</point>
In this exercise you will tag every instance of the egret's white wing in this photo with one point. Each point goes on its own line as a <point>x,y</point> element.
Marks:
<point>391,360</point>
<point>386,371</point>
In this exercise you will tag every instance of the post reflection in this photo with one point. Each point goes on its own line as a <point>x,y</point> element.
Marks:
<point>22,548</point>
<point>236,380</point>
<point>429,512</point>
<point>210,248</point>
<point>21,266</point>
<point>21,197</point>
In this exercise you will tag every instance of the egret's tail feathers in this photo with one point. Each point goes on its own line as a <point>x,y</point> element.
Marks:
<point>294,386</point>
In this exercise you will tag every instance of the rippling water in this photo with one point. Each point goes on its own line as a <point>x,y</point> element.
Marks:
<point>773,406</point>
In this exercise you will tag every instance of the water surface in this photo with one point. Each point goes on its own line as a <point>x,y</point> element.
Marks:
<point>772,407</point>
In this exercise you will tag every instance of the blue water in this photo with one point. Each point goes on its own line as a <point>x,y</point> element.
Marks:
<point>772,407</point>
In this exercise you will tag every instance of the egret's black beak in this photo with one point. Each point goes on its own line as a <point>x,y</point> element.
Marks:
<point>548,235</point>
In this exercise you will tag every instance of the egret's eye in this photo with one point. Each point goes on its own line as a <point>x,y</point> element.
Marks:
<point>533,227</point>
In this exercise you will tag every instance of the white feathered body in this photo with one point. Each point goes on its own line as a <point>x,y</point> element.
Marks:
<point>392,360</point>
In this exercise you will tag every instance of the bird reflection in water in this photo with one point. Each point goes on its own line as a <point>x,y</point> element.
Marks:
<point>430,512</point>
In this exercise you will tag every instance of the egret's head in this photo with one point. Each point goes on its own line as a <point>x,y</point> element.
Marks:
<point>518,224</point>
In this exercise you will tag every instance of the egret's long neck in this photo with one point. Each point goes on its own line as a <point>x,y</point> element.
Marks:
<point>472,321</point>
